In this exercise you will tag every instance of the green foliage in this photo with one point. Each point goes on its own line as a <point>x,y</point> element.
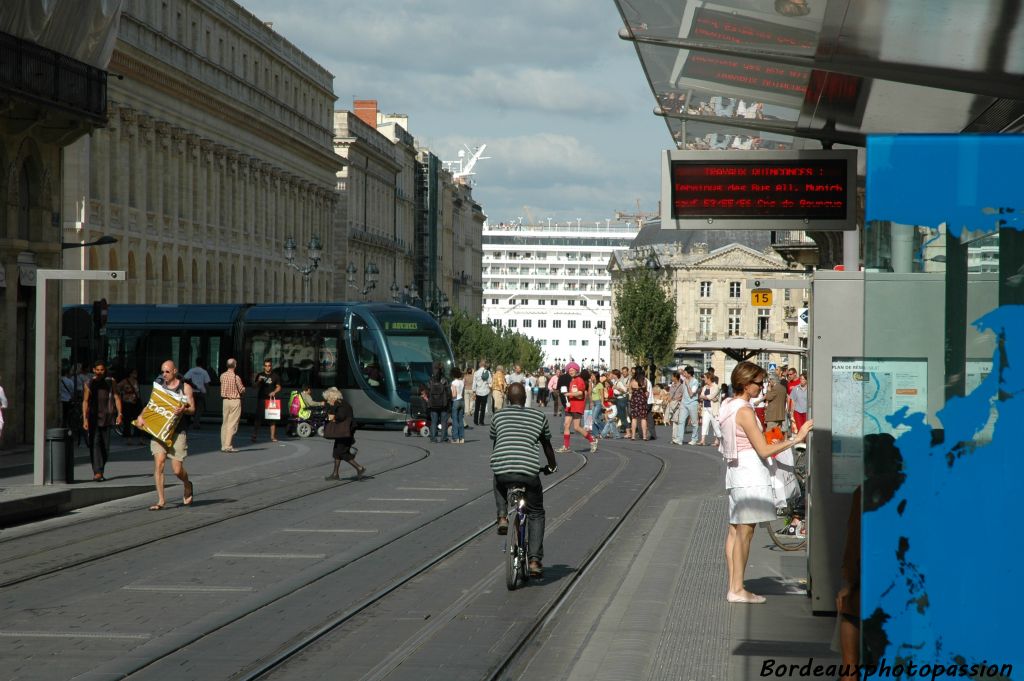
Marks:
<point>645,317</point>
<point>473,340</point>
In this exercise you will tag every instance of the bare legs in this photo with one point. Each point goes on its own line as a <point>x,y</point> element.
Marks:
<point>737,550</point>
<point>158,476</point>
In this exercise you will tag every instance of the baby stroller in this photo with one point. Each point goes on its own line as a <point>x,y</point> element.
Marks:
<point>305,420</point>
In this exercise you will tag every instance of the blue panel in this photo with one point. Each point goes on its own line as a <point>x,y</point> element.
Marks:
<point>971,182</point>
<point>942,562</point>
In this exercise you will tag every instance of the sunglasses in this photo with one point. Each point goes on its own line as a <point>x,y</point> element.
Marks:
<point>758,383</point>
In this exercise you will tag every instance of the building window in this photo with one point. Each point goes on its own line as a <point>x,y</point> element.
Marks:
<point>601,324</point>
<point>556,323</point>
<point>586,323</point>
<point>786,294</point>
<point>524,301</point>
<point>602,343</point>
<point>554,302</point>
<point>600,303</point>
<point>512,323</point>
<point>542,301</point>
<point>583,302</point>
<point>571,302</point>
<point>705,289</point>
<point>570,323</point>
<point>527,323</point>
<point>572,343</point>
<point>584,342</point>
<point>554,342</point>
<point>494,301</point>
<point>542,323</point>
<point>763,324</point>
<point>734,321</point>
<point>705,322</point>
<point>734,289</point>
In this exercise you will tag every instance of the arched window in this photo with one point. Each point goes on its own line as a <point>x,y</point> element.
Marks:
<point>24,201</point>
<point>131,287</point>
<point>196,295</point>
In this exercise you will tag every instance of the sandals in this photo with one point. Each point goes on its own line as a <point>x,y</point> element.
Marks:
<point>157,507</point>
<point>187,499</point>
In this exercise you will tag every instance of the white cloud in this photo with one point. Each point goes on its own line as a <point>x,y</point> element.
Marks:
<point>560,101</point>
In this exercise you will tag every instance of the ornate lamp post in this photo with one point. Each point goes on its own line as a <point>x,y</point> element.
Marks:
<point>314,252</point>
<point>370,277</point>
<point>438,305</point>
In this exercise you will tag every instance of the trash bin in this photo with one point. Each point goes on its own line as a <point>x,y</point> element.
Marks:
<point>60,455</point>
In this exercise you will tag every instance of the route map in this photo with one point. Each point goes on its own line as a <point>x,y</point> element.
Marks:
<point>866,393</point>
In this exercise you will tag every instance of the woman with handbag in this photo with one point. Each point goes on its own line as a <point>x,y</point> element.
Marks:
<point>341,427</point>
<point>747,478</point>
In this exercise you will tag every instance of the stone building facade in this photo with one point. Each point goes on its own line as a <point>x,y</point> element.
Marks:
<point>713,298</point>
<point>402,212</point>
<point>58,95</point>
<point>218,149</point>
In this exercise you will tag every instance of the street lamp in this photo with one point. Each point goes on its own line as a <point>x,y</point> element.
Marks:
<point>370,277</point>
<point>313,255</point>
<point>102,241</point>
<point>438,305</point>
<point>395,292</point>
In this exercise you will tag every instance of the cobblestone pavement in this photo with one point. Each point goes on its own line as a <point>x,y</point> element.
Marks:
<point>270,553</point>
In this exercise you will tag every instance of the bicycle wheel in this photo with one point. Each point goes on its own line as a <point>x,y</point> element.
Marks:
<point>512,560</point>
<point>788,531</point>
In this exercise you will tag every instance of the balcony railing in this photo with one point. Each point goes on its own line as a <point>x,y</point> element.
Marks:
<point>52,78</point>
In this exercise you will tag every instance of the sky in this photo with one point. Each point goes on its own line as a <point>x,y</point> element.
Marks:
<point>560,101</point>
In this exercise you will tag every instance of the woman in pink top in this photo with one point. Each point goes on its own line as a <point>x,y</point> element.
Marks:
<point>747,479</point>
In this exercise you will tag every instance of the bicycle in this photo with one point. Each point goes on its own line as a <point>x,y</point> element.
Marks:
<point>789,530</point>
<point>517,544</point>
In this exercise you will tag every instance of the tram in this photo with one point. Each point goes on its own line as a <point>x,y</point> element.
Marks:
<point>377,354</point>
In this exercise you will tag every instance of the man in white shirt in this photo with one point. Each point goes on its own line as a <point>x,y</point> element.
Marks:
<point>199,378</point>
<point>482,390</point>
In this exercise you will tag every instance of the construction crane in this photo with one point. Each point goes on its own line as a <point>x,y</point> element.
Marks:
<point>640,216</point>
<point>462,169</point>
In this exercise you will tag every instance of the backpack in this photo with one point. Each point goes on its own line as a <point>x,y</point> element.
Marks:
<point>485,376</point>
<point>438,394</point>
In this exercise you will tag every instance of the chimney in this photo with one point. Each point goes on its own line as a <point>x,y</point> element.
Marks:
<point>366,111</point>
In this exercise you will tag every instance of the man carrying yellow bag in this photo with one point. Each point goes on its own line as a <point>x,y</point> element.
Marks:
<point>166,419</point>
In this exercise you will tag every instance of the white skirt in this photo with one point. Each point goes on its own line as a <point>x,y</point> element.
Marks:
<point>751,505</point>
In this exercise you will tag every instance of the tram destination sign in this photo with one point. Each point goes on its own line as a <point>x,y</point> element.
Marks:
<point>775,190</point>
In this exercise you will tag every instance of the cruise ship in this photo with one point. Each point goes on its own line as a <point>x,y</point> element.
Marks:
<point>550,282</point>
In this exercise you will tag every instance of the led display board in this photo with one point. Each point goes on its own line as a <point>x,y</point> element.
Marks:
<point>778,190</point>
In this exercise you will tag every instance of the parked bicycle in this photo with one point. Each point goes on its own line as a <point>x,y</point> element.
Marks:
<point>517,542</point>
<point>789,529</point>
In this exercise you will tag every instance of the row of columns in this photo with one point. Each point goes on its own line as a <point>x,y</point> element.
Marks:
<point>158,176</point>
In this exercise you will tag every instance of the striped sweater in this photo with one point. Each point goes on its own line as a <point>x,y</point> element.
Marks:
<point>517,433</point>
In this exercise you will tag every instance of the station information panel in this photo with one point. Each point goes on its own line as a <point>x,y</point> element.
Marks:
<point>788,190</point>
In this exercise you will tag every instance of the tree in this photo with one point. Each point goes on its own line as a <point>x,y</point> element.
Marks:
<point>473,340</point>
<point>645,317</point>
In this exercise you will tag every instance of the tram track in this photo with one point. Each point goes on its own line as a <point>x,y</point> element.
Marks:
<point>271,666</point>
<point>288,650</point>
<point>204,522</point>
<point>155,658</point>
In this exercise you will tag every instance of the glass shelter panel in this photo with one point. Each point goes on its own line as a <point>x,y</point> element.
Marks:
<point>937,395</point>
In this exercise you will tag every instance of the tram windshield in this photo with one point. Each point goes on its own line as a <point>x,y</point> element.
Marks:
<point>414,344</point>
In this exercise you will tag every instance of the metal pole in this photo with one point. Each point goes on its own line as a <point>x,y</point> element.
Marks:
<point>39,424</point>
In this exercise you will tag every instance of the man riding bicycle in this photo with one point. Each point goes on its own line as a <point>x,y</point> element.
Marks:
<point>516,432</point>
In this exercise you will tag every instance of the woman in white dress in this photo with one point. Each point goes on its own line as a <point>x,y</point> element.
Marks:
<point>747,479</point>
